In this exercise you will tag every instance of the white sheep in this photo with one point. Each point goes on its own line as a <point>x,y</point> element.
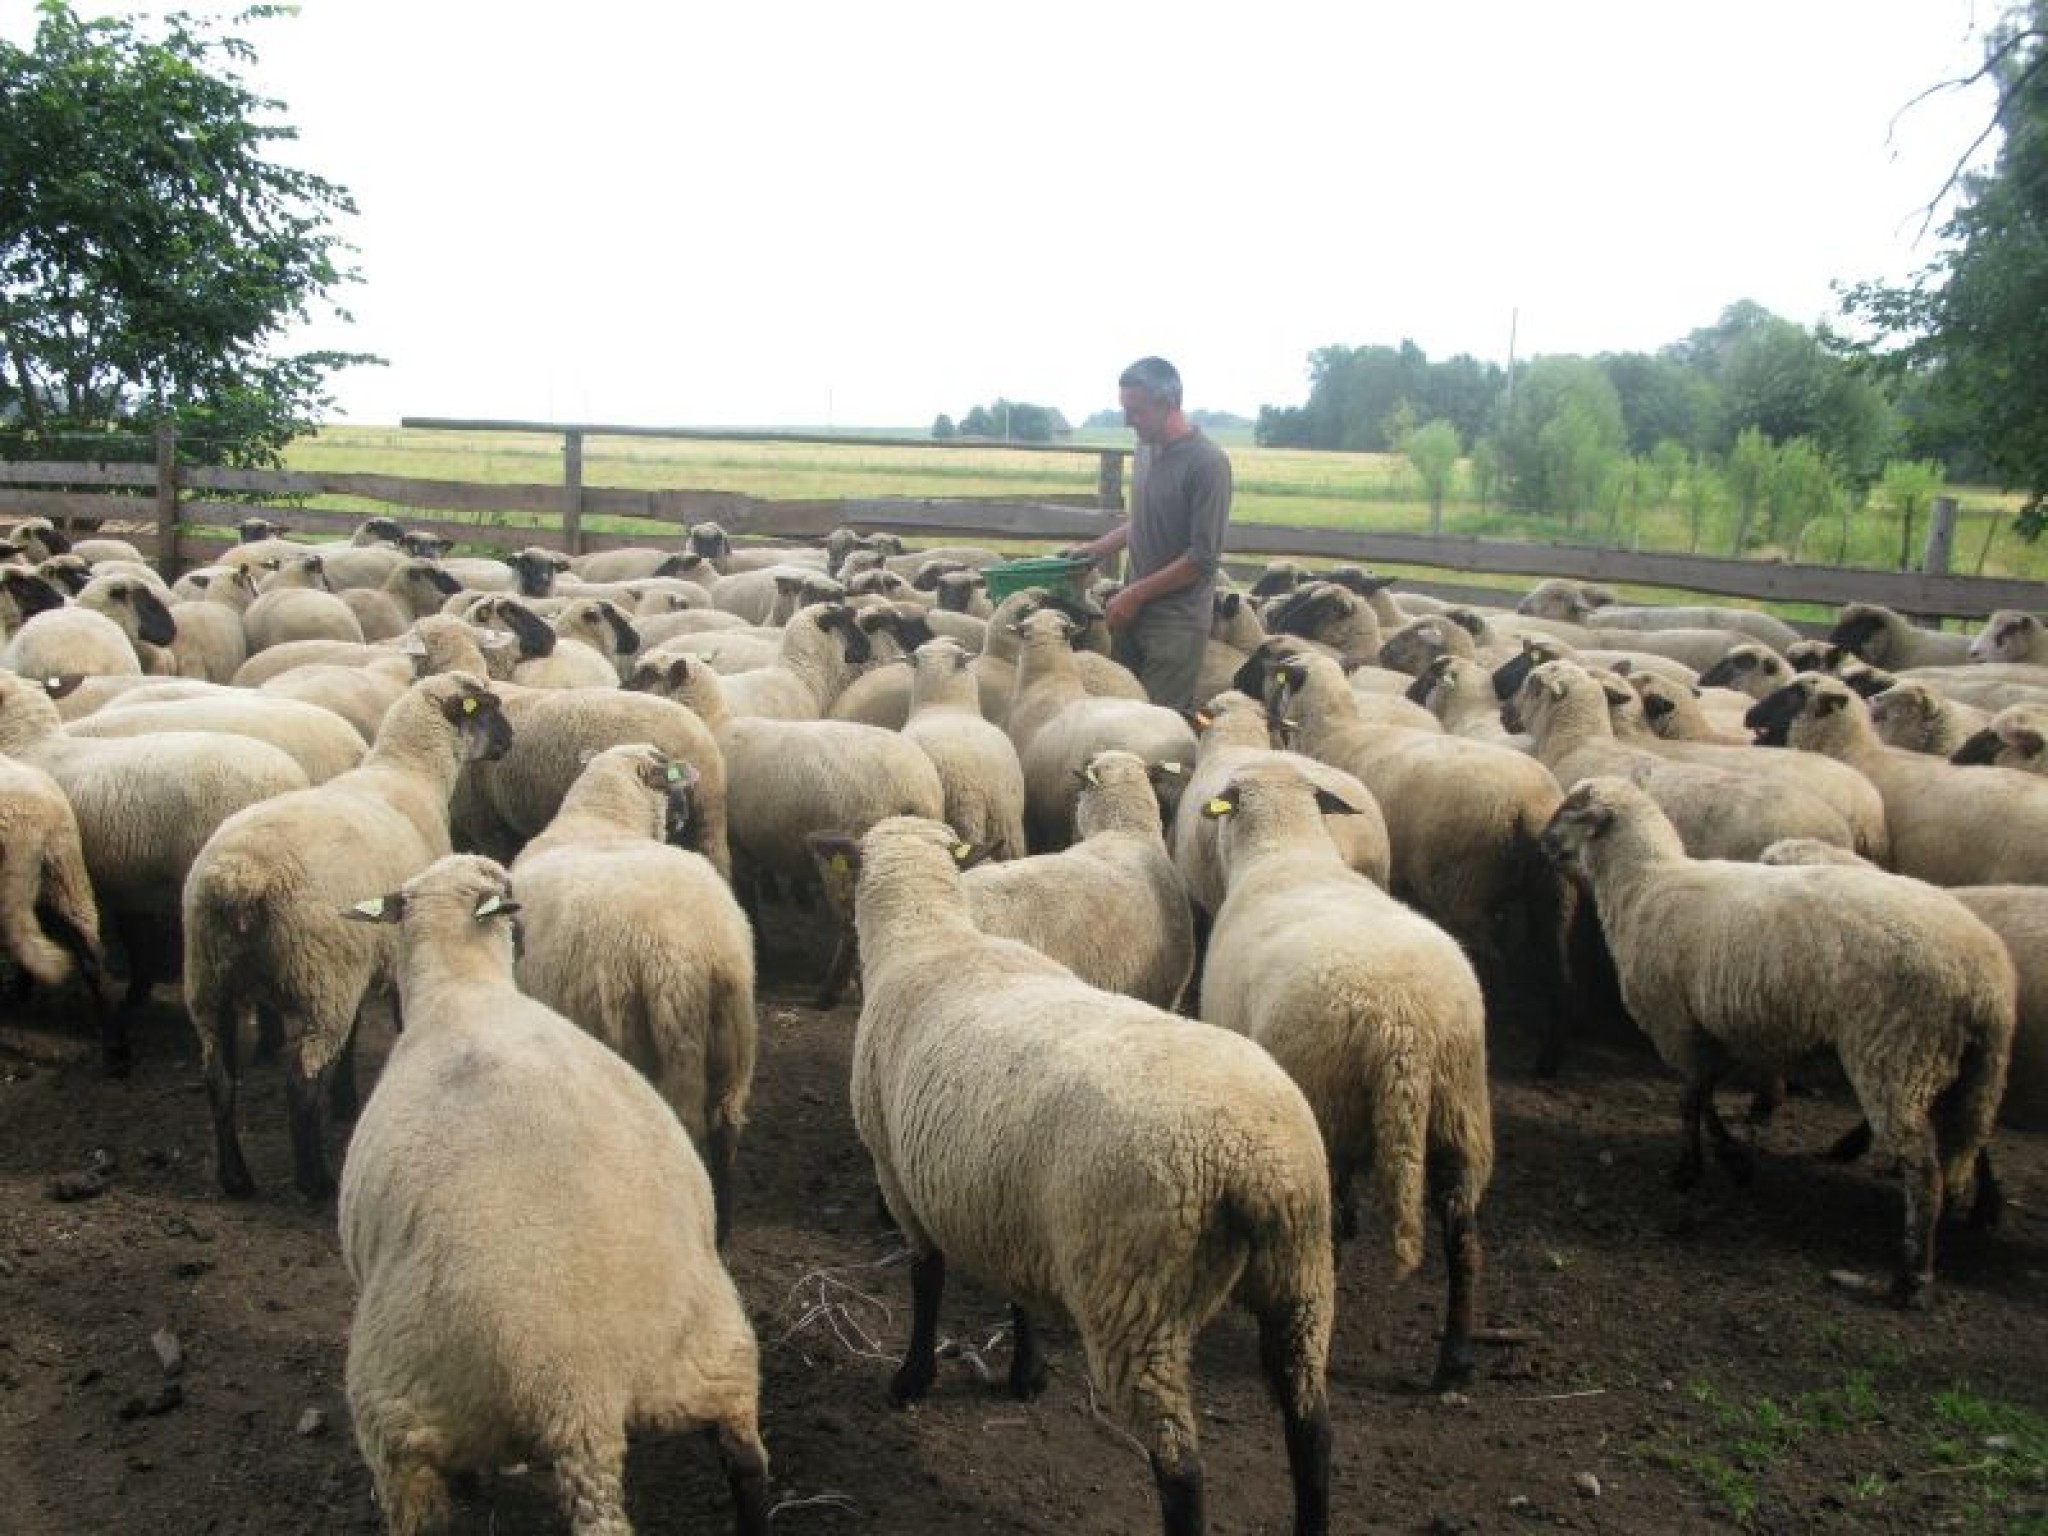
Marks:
<point>1233,730</point>
<point>263,933</point>
<point>43,877</point>
<point>413,589</point>
<point>318,740</point>
<point>1724,963</point>
<point>1372,1009</point>
<point>1918,717</point>
<point>2015,737</point>
<point>2011,636</point>
<point>101,632</point>
<point>297,602</point>
<point>640,941</point>
<point>1087,1155</point>
<point>531,1240</point>
<point>1058,726</point>
<point>1887,639</point>
<point>1948,825</point>
<point>977,762</point>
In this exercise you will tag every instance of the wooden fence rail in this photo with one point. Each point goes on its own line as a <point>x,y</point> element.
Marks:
<point>191,513</point>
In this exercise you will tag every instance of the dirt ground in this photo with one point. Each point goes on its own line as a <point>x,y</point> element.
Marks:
<point>171,1362</point>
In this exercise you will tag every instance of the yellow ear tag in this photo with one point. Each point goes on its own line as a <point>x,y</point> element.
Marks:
<point>374,907</point>
<point>838,864</point>
<point>1219,807</point>
<point>469,706</point>
<point>961,851</point>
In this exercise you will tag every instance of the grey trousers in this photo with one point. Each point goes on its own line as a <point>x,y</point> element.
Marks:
<point>1167,659</point>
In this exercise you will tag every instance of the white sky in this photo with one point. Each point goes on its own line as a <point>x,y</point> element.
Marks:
<point>685,213</point>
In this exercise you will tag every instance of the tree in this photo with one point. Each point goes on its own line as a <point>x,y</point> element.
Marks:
<point>943,429</point>
<point>151,254</point>
<point>1558,436</point>
<point>1908,489</point>
<point>1969,331</point>
<point>1433,450</point>
<point>1747,476</point>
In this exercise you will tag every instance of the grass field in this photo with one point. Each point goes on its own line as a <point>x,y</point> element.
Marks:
<point>1289,487</point>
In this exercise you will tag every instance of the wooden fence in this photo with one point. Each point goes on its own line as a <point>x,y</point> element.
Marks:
<point>189,515</point>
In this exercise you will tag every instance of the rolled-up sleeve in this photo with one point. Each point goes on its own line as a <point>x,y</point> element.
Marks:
<point>1208,492</point>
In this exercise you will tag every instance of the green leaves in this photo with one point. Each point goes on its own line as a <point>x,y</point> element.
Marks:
<point>151,254</point>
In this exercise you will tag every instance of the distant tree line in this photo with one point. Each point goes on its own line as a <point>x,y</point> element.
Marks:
<point>1010,421</point>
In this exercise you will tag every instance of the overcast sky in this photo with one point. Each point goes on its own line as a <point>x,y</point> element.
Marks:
<point>683,213</point>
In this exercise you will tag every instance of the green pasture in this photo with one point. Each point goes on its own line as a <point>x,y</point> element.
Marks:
<point>1291,487</point>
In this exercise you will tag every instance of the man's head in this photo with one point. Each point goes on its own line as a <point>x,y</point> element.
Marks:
<point>1149,391</point>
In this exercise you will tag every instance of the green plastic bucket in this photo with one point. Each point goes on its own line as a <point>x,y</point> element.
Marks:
<point>1057,573</point>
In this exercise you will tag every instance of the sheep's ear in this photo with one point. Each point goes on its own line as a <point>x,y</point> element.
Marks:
<point>1656,706</point>
<point>1222,805</point>
<point>63,685</point>
<point>1199,720</point>
<point>1827,703</point>
<point>497,904</point>
<point>1332,804</point>
<point>835,853</point>
<point>1085,774</point>
<point>967,855</point>
<point>377,909</point>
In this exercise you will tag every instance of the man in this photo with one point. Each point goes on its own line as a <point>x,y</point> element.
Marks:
<point>1180,503</point>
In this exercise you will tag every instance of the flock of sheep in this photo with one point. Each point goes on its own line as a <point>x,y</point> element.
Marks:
<point>1146,996</point>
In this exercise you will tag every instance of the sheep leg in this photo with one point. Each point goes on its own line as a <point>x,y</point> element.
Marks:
<point>1180,1493</point>
<point>746,1475</point>
<point>1686,1174</point>
<point>220,1060</point>
<point>1343,1206</point>
<point>413,1494</point>
<point>1463,1259</point>
<point>1988,1204</point>
<point>721,1153</point>
<point>78,942</point>
<point>920,1366</point>
<point>1295,1380</point>
<point>1027,1356</point>
<point>343,1100</point>
<point>1728,1152</point>
<point>839,970</point>
<point>306,1090</point>
<point>1920,1183</point>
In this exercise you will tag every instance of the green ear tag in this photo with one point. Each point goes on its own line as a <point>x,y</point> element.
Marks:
<point>675,774</point>
<point>469,706</point>
<point>374,907</point>
<point>490,904</point>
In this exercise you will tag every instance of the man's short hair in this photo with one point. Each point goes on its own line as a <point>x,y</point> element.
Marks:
<point>1156,377</point>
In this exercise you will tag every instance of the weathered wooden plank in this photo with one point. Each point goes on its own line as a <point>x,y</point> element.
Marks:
<point>140,475</point>
<point>58,505</point>
<point>743,435</point>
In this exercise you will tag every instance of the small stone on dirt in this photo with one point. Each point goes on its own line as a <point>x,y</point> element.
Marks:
<point>312,1422</point>
<point>163,1400</point>
<point>1587,1484</point>
<point>170,1354</point>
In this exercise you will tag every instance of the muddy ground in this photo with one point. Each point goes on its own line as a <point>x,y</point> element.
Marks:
<point>171,1361</point>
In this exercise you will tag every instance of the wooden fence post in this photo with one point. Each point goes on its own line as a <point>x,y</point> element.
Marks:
<point>167,498</point>
<point>1941,537</point>
<point>1109,481</point>
<point>572,493</point>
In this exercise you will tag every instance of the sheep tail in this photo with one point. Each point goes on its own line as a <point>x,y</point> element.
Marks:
<point>1400,1134</point>
<point>1968,1108</point>
<point>239,892</point>
<point>20,877</point>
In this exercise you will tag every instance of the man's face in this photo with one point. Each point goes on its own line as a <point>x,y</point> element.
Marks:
<point>1143,414</point>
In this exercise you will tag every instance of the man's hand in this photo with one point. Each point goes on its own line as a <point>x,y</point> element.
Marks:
<point>1122,610</point>
<point>1080,552</point>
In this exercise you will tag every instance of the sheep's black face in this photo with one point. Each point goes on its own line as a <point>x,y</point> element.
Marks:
<point>1982,747</point>
<point>439,580</point>
<point>1509,675</point>
<point>1856,633</point>
<point>153,621</point>
<point>533,633</point>
<point>480,723</point>
<point>1573,827</point>
<point>31,594</point>
<point>1770,718</point>
<point>1730,671</point>
<point>535,574</point>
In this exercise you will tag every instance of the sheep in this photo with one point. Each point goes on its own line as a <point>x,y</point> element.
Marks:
<point>1463,818</point>
<point>530,572</point>
<point>360,695</point>
<point>1761,627</point>
<point>1722,963</point>
<point>1090,1155</point>
<point>276,660</point>
<point>1057,726</point>
<point>995,669</point>
<point>1110,907</point>
<point>43,879</point>
<point>752,593</point>
<point>537,1274</point>
<point>979,771</point>
<point>318,740</point>
<point>2011,636</point>
<point>1885,639</point>
<point>1841,788</point>
<point>102,632</point>
<point>499,805</point>
<point>591,635</point>
<point>2015,737</point>
<point>642,944</point>
<point>2018,914</point>
<point>1372,1009</point>
<point>1917,717</point>
<point>1948,825</point>
<point>881,693</point>
<point>298,602</point>
<point>1721,813</point>
<point>1233,730</point>
<point>1676,712</point>
<point>633,560</point>
<point>23,594</point>
<point>210,642</point>
<point>262,931</point>
<point>822,647</point>
<point>414,589</point>
<point>789,778</point>
<point>145,808</point>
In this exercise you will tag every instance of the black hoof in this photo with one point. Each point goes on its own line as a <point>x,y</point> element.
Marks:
<point>912,1382</point>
